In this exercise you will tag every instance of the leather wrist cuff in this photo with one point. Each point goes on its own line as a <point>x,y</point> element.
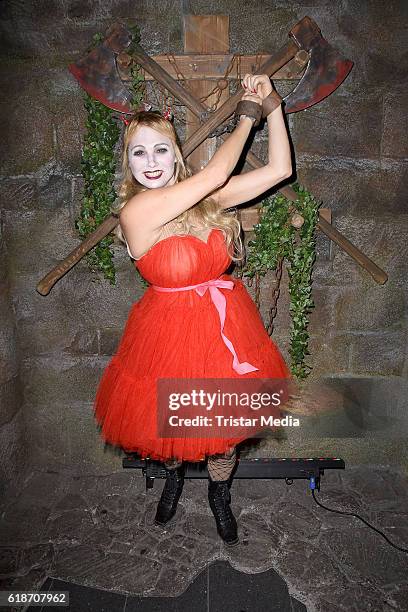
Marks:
<point>250,109</point>
<point>270,103</point>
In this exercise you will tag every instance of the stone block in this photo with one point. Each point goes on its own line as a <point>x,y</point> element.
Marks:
<point>56,335</point>
<point>37,240</point>
<point>321,131</point>
<point>55,379</point>
<point>382,240</point>
<point>8,350</point>
<point>83,290</point>
<point>345,270</point>
<point>56,330</point>
<point>10,399</point>
<point>30,32</point>
<point>329,354</point>
<point>374,39</point>
<point>355,407</point>
<point>370,308</point>
<point>363,189</point>
<point>321,317</point>
<point>13,452</point>
<point>393,250</point>
<point>90,565</point>
<point>69,130</point>
<point>80,10</point>
<point>322,273</point>
<point>109,340</point>
<point>67,434</point>
<point>379,353</point>
<point>323,248</point>
<point>262,37</point>
<point>25,150</point>
<point>395,129</point>
<point>156,27</point>
<point>67,318</point>
<point>77,191</point>
<point>64,92</point>
<point>47,486</point>
<point>295,520</point>
<point>54,190</point>
<point>9,561</point>
<point>18,526</point>
<point>85,341</point>
<point>37,13</point>
<point>301,559</point>
<point>18,194</point>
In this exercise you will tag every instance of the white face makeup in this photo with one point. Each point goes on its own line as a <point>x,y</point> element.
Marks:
<point>151,158</point>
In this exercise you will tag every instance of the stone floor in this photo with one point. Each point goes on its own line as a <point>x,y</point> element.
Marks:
<point>98,532</point>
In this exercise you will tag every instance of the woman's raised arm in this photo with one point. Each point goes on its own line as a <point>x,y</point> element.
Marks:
<point>245,187</point>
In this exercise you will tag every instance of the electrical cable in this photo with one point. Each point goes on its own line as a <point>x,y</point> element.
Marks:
<point>405,550</point>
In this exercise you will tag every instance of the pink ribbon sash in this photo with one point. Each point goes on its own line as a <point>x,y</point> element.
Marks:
<point>219,302</point>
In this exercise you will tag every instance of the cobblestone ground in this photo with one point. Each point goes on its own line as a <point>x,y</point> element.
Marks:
<point>99,532</point>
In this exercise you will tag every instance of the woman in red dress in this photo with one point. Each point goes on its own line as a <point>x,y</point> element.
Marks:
<point>194,321</point>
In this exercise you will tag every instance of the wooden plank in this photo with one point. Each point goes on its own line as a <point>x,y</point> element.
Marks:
<point>213,66</point>
<point>204,34</point>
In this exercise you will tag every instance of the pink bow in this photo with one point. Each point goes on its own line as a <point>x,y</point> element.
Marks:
<point>219,302</point>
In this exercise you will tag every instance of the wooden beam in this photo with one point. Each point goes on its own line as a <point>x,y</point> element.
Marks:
<point>204,33</point>
<point>214,65</point>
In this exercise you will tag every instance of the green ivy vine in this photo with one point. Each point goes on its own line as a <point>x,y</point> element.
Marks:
<point>98,170</point>
<point>275,239</point>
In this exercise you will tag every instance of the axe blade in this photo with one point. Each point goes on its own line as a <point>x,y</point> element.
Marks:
<point>97,72</point>
<point>326,69</point>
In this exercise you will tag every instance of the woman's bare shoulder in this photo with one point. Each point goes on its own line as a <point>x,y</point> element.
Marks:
<point>138,236</point>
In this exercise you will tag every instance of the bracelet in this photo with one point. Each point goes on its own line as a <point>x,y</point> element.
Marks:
<point>270,103</point>
<point>250,109</point>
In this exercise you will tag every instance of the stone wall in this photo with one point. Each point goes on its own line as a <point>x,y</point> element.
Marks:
<point>12,434</point>
<point>350,153</point>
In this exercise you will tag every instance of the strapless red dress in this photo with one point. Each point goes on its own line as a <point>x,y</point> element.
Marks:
<point>177,334</point>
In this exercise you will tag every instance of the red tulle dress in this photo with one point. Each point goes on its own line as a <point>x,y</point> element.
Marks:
<point>178,335</point>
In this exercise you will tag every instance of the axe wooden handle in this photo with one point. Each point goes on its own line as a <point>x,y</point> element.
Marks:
<point>365,262</point>
<point>46,284</point>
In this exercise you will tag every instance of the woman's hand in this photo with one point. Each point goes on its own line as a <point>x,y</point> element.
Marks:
<point>258,84</point>
<point>250,93</point>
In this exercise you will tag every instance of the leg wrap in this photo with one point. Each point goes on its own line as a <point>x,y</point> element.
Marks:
<point>220,467</point>
<point>172,464</point>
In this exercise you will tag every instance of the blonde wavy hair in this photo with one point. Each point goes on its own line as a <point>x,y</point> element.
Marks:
<point>205,213</point>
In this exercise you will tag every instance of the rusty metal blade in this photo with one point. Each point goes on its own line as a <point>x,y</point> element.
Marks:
<point>325,71</point>
<point>98,75</point>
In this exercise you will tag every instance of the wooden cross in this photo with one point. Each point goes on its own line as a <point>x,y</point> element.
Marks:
<point>203,65</point>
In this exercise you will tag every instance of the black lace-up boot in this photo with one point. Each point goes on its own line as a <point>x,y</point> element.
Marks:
<point>170,496</point>
<point>220,499</point>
